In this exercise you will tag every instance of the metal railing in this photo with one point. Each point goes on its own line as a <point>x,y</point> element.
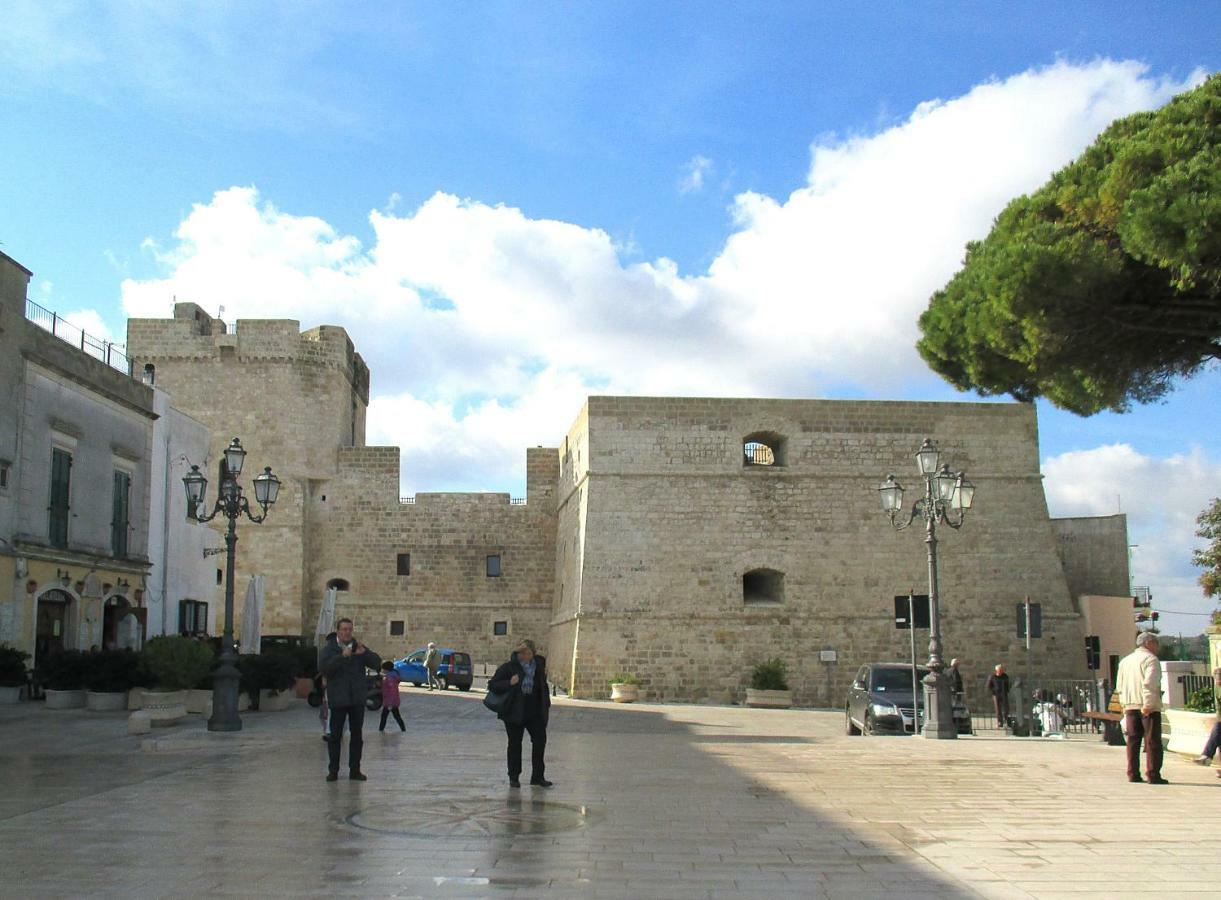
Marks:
<point>1055,704</point>
<point>407,500</point>
<point>1193,683</point>
<point>517,501</point>
<point>111,354</point>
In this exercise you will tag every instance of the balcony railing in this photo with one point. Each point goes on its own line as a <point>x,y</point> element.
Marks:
<point>111,354</point>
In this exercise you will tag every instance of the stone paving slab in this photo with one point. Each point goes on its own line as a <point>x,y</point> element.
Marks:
<point>651,801</point>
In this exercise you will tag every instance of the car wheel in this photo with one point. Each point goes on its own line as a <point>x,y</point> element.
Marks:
<point>849,725</point>
<point>417,683</point>
<point>464,687</point>
<point>869,727</point>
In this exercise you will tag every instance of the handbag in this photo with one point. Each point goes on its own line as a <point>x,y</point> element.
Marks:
<point>495,702</point>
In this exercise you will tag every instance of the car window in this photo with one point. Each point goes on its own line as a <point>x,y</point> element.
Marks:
<point>462,659</point>
<point>863,675</point>
<point>895,679</point>
<point>418,656</point>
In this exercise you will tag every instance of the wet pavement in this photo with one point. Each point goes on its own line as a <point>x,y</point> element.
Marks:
<point>650,801</point>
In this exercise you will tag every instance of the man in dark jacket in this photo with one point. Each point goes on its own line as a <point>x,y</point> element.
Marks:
<point>527,707</point>
<point>998,687</point>
<point>342,662</point>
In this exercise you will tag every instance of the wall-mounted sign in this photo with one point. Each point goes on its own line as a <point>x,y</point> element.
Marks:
<point>827,656</point>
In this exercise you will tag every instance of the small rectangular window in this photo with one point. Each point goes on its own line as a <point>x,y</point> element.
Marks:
<point>494,566</point>
<point>404,561</point>
<point>220,576</point>
<point>500,628</point>
<point>397,627</point>
<point>3,475</point>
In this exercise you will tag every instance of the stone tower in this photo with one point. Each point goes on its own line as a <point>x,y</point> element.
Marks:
<point>294,398</point>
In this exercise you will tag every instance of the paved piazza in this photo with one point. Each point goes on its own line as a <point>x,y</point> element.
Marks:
<point>650,801</point>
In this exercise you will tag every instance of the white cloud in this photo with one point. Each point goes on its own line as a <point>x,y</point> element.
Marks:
<point>91,322</point>
<point>477,318</point>
<point>695,171</point>
<point>1161,497</point>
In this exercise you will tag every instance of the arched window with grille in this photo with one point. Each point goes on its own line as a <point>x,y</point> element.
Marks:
<point>763,448</point>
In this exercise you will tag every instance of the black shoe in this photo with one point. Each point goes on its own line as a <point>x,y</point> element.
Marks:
<point>513,782</point>
<point>327,738</point>
<point>1158,780</point>
<point>357,776</point>
<point>332,776</point>
<point>541,782</point>
<point>1137,780</point>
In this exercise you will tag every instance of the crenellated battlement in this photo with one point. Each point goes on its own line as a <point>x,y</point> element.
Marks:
<point>193,334</point>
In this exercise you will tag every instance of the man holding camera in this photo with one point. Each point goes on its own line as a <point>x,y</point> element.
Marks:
<point>343,662</point>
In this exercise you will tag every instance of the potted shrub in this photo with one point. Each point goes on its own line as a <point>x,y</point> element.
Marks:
<point>176,664</point>
<point>625,688</point>
<point>769,686</point>
<point>109,675</point>
<point>62,676</point>
<point>305,669</point>
<point>266,678</point>
<point>12,673</point>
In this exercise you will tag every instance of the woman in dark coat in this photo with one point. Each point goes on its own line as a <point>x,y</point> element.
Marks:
<point>527,706</point>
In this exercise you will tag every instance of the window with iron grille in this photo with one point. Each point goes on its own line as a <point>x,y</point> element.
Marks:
<point>398,627</point>
<point>494,565</point>
<point>404,563</point>
<point>500,628</point>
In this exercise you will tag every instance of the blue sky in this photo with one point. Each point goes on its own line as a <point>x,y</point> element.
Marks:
<point>512,205</point>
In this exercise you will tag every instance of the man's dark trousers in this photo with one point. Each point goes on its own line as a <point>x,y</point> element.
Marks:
<point>1001,702</point>
<point>355,717</point>
<point>1150,728</point>
<point>532,722</point>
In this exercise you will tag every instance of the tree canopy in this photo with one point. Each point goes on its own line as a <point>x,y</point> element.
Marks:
<point>1209,559</point>
<point>1104,285</point>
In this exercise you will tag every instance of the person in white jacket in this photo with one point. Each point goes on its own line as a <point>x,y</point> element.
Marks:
<point>1139,684</point>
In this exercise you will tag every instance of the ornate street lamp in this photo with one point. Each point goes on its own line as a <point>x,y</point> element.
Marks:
<point>947,497</point>
<point>231,502</point>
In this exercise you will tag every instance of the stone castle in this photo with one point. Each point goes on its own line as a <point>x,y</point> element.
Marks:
<point>682,540</point>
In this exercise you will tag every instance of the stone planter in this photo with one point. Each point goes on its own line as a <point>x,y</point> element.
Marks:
<point>106,701</point>
<point>198,701</point>
<point>274,702</point>
<point>165,707</point>
<point>10,695</point>
<point>135,698</point>
<point>1188,731</point>
<point>769,699</point>
<point>65,699</point>
<point>625,693</point>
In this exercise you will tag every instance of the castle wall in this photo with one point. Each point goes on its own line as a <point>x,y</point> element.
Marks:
<point>675,520</point>
<point>359,526</point>
<point>292,398</point>
<point>1094,552</point>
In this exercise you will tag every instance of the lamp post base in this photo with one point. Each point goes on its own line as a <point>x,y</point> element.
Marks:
<point>938,708</point>
<point>224,697</point>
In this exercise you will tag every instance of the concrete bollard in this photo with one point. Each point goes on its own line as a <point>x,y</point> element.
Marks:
<point>139,722</point>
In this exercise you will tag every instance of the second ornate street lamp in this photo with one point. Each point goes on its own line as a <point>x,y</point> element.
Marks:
<point>946,499</point>
<point>231,503</point>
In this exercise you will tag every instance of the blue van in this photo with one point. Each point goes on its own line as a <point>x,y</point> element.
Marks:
<point>455,668</point>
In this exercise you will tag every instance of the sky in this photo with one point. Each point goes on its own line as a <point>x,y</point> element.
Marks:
<point>512,206</point>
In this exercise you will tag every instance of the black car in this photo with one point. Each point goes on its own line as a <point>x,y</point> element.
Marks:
<point>880,701</point>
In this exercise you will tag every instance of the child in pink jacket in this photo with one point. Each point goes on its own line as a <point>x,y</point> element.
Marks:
<point>390,696</point>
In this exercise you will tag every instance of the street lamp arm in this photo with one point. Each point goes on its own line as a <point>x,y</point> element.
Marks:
<point>947,518</point>
<point>245,508</point>
<point>896,518</point>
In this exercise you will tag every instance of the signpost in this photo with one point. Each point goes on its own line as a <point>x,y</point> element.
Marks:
<point>912,612</point>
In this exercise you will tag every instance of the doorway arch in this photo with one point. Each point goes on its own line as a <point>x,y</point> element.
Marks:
<point>53,617</point>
